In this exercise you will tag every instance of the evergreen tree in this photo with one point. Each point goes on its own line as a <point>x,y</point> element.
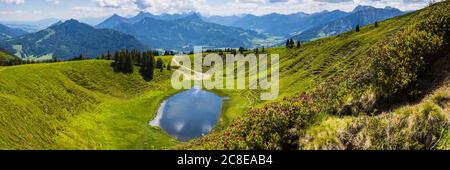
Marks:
<point>80,57</point>
<point>159,63</point>
<point>376,23</point>
<point>121,62</point>
<point>290,43</point>
<point>241,50</point>
<point>299,44</point>
<point>128,65</point>
<point>147,65</point>
<point>357,28</point>
<point>108,56</point>
<point>151,65</point>
<point>116,61</point>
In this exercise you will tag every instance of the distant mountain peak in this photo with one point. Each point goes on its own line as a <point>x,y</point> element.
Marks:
<point>7,32</point>
<point>143,14</point>
<point>193,17</point>
<point>392,8</point>
<point>71,24</point>
<point>301,14</point>
<point>71,21</point>
<point>57,23</point>
<point>363,8</point>
<point>274,14</point>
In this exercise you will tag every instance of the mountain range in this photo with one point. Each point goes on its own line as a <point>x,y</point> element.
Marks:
<point>7,32</point>
<point>35,26</point>
<point>116,20</point>
<point>361,15</point>
<point>69,39</point>
<point>279,24</point>
<point>312,26</point>
<point>181,32</point>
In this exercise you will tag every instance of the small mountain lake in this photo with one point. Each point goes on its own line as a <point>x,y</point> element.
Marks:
<point>189,114</point>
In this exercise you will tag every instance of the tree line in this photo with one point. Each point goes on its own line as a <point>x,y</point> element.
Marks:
<point>290,43</point>
<point>18,61</point>
<point>126,60</point>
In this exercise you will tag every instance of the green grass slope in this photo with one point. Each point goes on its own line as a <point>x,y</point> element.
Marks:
<point>79,105</point>
<point>5,56</point>
<point>343,92</point>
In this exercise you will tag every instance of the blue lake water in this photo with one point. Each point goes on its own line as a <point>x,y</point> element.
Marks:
<point>189,114</point>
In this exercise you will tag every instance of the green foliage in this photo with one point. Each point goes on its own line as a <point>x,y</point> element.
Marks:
<point>290,43</point>
<point>412,128</point>
<point>124,61</point>
<point>159,63</point>
<point>399,61</point>
<point>147,66</point>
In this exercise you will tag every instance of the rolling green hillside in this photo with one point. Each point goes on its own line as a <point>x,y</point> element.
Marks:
<point>5,56</point>
<point>79,105</point>
<point>384,87</point>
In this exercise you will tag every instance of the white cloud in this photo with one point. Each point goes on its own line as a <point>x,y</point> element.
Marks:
<point>251,1</point>
<point>154,6</point>
<point>15,12</point>
<point>87,9</point>
<point>12,1</point>
<point>56,2</point>
<point>172,6</point>
<point>114,3</point>
<point>257,7</point>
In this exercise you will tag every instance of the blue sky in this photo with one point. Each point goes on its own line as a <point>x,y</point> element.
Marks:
<point>64,9</point>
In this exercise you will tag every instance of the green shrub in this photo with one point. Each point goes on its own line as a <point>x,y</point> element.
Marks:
<point>411,128</point>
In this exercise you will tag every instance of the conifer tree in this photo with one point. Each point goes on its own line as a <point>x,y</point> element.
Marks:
<point>128,65</point>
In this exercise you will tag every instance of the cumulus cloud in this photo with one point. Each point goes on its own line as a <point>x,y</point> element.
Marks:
<point>155,6</point>
<point>172,6</point>
<point>258,7</point>
<point>115,3</point>
<point>11,12</point>
<point>12,1</point>
<point>56,2</point>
